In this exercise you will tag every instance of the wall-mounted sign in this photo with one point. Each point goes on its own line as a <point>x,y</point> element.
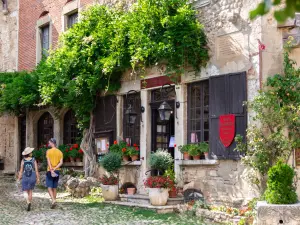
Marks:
<point>227,129</point>
<point>102,145</point>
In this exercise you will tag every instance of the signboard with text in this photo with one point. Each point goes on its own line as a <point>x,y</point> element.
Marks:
<point>227,129</point>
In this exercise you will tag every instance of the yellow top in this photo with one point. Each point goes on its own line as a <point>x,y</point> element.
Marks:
<point>54,155</point>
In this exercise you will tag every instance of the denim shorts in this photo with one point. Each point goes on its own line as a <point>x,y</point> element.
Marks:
<point>52,182</point>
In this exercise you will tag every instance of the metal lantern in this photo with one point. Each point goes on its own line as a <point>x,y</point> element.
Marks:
<point>165,111</point>
<point>130,115</point>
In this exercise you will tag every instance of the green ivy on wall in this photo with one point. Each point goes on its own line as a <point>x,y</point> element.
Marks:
<point>92,56</point>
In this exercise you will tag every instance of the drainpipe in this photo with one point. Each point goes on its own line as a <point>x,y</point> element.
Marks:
<point>261,47</point>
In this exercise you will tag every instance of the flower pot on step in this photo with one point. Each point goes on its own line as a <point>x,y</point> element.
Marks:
<point>78,160</point>
<point>173,193</point>
<point>158,196</point>
<point>134,157</point>
<point>125,158</point>
<point>186,156</point>
<point>196,157</point>
<point>206,155</point>
<point>130,191</point>
<point>110,192</point>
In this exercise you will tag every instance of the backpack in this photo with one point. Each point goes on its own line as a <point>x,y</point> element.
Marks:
<point>28,168</point>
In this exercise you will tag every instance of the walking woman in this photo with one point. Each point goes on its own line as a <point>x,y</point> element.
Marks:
<point>29,174</point>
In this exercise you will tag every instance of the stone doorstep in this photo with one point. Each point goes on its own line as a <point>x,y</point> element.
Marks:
<point>144,199</point>
<point>158,209</point>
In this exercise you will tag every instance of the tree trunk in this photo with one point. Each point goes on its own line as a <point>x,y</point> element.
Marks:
<point>90,162</point>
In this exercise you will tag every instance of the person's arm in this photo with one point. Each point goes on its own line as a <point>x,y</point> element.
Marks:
<point>59,164</point>
<point>37,172</point>
<point>48,161</point>
<point>21,170</point>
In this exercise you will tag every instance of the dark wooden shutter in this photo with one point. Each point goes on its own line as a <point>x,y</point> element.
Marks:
<point>105,117</point>
<point>227,94</point>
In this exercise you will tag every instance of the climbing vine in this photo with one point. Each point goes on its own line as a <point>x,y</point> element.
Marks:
<point>275,132</point>
<point>93,54</point>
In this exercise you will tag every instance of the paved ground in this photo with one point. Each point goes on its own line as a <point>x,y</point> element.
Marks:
<point>12,211</point>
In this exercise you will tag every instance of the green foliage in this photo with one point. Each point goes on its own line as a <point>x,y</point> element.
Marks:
<point>275,132</point>
<point>282,14</point>
<point>170,173</point>
<point>280,188</point>
<point>94,53</point>
<point>161,160</point>
<point>111,162</point>
<point>194,150</point>
<point>204,147</point>
<point>18,92</point>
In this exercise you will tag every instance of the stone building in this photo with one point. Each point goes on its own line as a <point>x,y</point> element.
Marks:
<point>8,63</point>
<point>238,66</point>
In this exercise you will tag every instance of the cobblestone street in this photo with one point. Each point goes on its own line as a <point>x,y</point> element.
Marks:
<point>12,211</point>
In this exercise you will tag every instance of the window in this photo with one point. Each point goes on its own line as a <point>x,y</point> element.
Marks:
<point>72,19</point>
<point>45,39</point>
<point>131,133</point>
<point>45,128</point>
<point>198,112</point>
<point>71,132</point>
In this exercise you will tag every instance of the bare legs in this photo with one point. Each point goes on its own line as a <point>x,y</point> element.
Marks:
<point>28,197</point>
<point>52,192</point>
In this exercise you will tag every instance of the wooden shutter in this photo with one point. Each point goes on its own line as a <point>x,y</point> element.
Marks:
<point>227,94</point>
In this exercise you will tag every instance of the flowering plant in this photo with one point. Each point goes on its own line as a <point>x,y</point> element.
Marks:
<point>158,182</point>
<point>40,154</point>
<point>133,150</point>
<point>74,151</point>
<point>120,148</point>
<point>109,180</point>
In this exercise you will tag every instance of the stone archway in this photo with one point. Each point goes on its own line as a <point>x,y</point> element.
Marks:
<point>45,128</point>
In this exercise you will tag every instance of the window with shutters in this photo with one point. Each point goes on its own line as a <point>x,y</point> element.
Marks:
<point>71,132</point>
<point>131,132</point>
<point>198,112</point>
<point>105,118</point>
<point>45,128</point>
<point>72,19</point>
<point>227,93</point>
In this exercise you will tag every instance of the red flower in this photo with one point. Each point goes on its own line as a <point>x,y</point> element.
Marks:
<point>128,145</point>
<point>135,145</point>
<point>75,146</point>
<point>107,145</point>
<point>137,148</point>
<point>115,142</point>
<point>175,145</point>
<point>80,151</point>
<point>123,150</point>
<point>71,149</point>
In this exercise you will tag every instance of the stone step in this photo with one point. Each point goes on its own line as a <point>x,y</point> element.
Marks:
<point>158,209</point>
<point>144,199</point>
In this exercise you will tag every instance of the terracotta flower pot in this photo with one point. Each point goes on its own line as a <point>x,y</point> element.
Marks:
<point>71,159</point>
<point>206,155</point>
<point>78,160</point>
<point>130,191</point>
<point>134,157</point>
<point>186,156</point>
<point>158,196</point>
<point>173,193</point>
<point>125,158</point>
<point>196,157</point>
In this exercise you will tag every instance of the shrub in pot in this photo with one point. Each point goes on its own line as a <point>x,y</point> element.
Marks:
<point>111,162</point>
<point>280,185</point>
<point>204,148</point>
<point>195,151</point>
<point>158,189</point>
<point>161,160</point>
<point>134,152</point>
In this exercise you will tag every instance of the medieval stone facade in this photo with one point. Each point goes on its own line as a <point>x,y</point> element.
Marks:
<point>235,48</point>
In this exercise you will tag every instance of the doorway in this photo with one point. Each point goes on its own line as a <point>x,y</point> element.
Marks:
<point>22,134</point>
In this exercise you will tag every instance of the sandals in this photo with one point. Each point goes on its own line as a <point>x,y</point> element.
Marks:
<point>53,205</point>
<point>28,207</point>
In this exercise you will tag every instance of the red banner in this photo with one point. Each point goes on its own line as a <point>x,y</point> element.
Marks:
<point>227,129</point>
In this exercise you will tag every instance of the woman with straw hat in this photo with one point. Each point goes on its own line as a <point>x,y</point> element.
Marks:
<point>29,174</point>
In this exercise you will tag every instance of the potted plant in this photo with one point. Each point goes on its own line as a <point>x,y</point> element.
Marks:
<point>204,148</point>
<point>184,149</point>
<point>161,160</point>
<point>111,162</point>
<point>131,190</point>
<point>194,151</point>
<point>134,152</point>
<point>120,148</point>
<point>173,189</point>
<point>72,153</point>
<point>158,189</point>
<point>79,155</point>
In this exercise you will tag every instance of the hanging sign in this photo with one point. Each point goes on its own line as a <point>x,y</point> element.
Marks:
<point>227,129</point>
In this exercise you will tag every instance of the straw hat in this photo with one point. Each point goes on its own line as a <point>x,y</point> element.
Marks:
<point>27,151</point>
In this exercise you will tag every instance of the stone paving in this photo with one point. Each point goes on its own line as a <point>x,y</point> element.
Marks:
<point>70,211</point>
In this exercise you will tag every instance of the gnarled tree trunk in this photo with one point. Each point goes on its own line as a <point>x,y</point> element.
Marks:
<point>90,163</point>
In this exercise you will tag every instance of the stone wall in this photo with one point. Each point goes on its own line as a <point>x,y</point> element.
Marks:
<point>8,37</point>
<point>223,183</point>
